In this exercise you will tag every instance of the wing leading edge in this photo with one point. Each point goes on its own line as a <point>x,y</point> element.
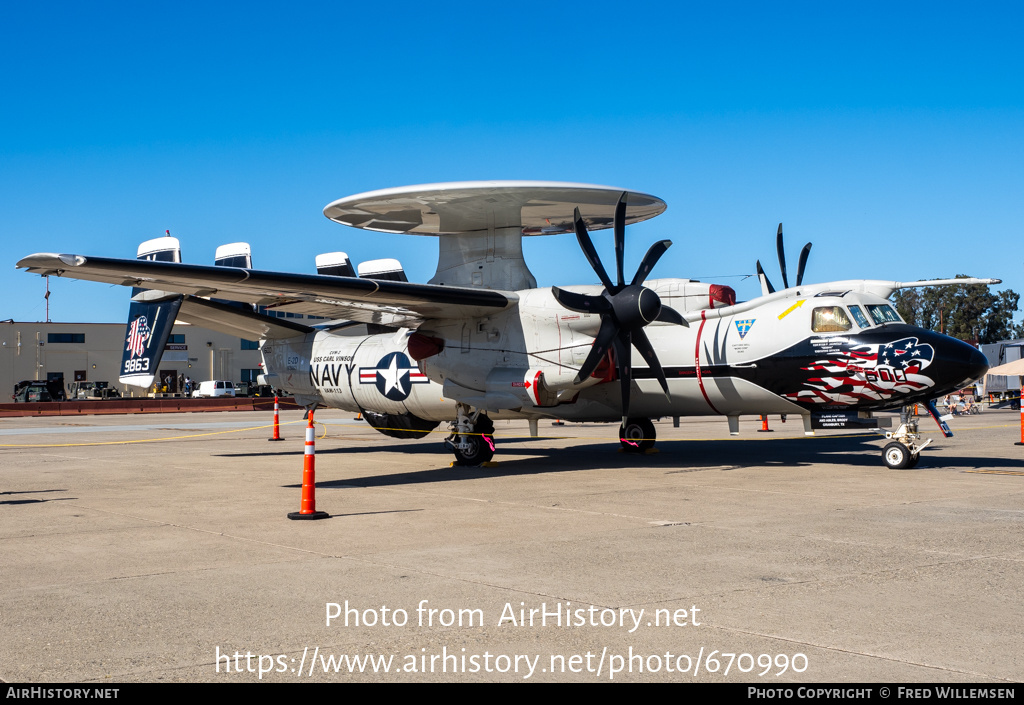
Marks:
<point>367,300</point>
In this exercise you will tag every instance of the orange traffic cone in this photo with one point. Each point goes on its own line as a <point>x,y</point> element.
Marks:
<point>764,424</point>
<point>308,505</point>
<point>277,422</point>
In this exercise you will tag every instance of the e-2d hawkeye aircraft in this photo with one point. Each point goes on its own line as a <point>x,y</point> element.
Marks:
<point>480,341</point>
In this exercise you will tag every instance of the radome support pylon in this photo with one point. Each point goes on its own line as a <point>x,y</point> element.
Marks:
<point>308,505</point>
<point>277,422</point>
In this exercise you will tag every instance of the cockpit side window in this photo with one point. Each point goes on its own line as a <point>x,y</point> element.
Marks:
<point>859,316</point>
<point>830,319</point>
<point>883,313</point>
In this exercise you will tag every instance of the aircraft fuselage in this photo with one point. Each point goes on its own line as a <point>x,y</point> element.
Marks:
<point>834,350</point>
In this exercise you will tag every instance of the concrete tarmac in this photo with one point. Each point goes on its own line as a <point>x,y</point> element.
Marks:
<point>156,548</point>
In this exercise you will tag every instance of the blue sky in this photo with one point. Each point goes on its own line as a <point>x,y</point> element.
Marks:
<point>889,134</point>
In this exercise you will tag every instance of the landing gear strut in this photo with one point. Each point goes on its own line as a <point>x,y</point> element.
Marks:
<point>472,437</point>
<point>905,449</point>
<point>637,435</point>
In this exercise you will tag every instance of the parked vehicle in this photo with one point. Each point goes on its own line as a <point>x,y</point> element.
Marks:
<point>252,389</point>
<point>39,391</point>
<point>93,391</point>
<point>214,388</point>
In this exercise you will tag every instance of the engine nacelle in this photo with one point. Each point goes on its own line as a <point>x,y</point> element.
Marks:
<point>372,373</point>
<point>685,295</point>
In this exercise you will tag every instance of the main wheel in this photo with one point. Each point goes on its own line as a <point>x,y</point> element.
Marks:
<point>478,453</point>
<point>481,447</point>
<point>897,456</point>
<point>484,425</point>
<point>637,435</point>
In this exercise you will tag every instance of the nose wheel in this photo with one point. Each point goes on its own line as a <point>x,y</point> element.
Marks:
<point>904,450</point>
<point>899,457</point>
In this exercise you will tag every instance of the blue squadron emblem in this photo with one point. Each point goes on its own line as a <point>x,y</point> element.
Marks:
<point>394,376</point>
<point>743,326</point>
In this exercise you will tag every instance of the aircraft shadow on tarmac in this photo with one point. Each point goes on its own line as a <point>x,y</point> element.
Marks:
<point>861,451</point>
<point>32,501</point>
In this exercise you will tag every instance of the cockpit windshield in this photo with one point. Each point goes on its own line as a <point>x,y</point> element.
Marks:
<point>830,319</point>
<point>859,316</point>
<point>883,313</point>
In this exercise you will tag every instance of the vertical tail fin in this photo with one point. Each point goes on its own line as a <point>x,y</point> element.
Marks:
<point>151,316</point>
<point>387,269</point>
<point>335,264</point>
<point>234,254</point>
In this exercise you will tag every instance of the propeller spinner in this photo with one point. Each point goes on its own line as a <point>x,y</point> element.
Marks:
<point>624,308</point>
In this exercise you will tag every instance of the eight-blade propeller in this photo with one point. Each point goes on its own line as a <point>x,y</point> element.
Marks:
<point>624,308</point>
<point>767,285</point>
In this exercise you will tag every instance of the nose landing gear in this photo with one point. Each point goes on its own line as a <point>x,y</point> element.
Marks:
<point>898,456</point>
<point>905,449</point>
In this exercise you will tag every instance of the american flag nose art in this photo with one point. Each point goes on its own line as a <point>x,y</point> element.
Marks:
<point>859,373</point>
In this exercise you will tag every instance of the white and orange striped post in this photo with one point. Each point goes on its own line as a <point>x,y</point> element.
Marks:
<point>1021,419</point>
<point>307,508</point>
<point>277,422</point>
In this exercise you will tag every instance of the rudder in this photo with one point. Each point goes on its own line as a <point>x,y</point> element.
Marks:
<point>151,316</point>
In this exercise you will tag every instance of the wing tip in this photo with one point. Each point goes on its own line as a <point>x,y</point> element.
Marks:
<point>49,260</point>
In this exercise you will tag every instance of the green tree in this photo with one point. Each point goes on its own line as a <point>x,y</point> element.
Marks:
<point>965,312</point>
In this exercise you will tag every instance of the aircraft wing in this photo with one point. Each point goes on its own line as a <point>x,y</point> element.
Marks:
<point>371,301</point>
<point>237,320</point>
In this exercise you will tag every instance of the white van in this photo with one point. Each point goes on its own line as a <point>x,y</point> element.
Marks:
<point>214,388</point>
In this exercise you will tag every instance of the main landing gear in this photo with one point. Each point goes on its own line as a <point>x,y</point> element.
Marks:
<point>472,437</point>
<point>905,447</point>
<point>637,435</point>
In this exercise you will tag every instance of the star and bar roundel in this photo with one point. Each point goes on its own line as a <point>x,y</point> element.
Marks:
<point>394,376</point>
